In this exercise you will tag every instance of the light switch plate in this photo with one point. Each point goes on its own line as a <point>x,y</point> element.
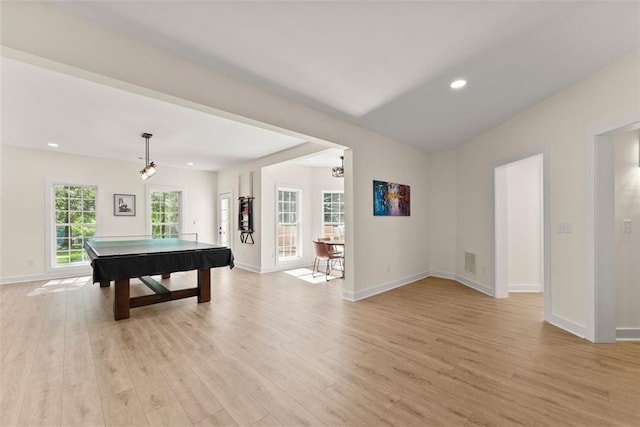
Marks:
<point>626,227</point>
<point>565,227</point>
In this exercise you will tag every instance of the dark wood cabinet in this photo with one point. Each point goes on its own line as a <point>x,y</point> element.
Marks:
<point>245,219</point>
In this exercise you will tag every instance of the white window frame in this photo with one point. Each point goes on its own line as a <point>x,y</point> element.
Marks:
<point>165,189</point>
<point>50,226</point>
<point>322,223</point>
<point>299,205</point>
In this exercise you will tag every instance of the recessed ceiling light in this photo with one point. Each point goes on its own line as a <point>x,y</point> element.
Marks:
<point>189,163</point>
<point>458,84</point>
<point>53,144</point>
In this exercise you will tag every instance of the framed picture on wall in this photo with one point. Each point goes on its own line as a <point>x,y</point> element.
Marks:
<point>124,204</point>
<point>391,199</point>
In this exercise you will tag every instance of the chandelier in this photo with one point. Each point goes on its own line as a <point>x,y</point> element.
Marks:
<point>150,168</point>
<point>338,171</point>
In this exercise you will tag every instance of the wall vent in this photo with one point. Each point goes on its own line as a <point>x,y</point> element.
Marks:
<point>470,262</point>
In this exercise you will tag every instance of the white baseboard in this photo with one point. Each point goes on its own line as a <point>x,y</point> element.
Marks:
<point>378,289</point>
<point>474,285</point>
<point>63,274</point>
<point>568,325</point>
<point>259,270</point>
<point>248,267</point>
<point>351,296</point>
<point>627,334</point>
<point>443,275</point>
<point>287,266</point>
<point>525,287</point>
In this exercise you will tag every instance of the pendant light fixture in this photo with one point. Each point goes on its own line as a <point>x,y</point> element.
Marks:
<point>150,168</point>
<point>338,171</point>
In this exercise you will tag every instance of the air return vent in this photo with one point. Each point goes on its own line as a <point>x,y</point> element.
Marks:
<point>470,262</point>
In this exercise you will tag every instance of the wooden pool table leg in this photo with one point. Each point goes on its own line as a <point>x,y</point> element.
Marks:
<point>204,285</point>
<point>121,299</point>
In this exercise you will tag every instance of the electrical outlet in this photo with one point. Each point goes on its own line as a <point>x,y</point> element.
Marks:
<point>626,228</point>
<point>565,227</point>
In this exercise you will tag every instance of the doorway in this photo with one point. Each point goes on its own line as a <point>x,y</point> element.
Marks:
<point>521,228</point>
<point>224,219</point>
<point>601,292</point>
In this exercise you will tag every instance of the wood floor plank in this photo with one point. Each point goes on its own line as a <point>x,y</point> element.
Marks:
<point>237,401</point>
<point>111,371</point>
<point>154,391</point>
<point>81,404</point>
<point>196,398</point>
<point>169,416</point>
<point>221,418</point>
<point>330,411</point>
<point>13,387</point>
<point>123,409</point>
<point>271,349</point>
<point>78,363</point>
<point>42,403</point>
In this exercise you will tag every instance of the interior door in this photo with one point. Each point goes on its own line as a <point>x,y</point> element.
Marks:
<point>225,220</point>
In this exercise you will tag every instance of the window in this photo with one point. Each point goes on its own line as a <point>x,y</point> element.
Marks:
<point>165,214</point>
<point>75,222</point>
<point>288,226</point>
<point>333,213</point>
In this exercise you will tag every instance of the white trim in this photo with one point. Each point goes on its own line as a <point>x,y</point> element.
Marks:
<point>232,219</point>
<point>546,232</point>
<point>525,287</point>
<point>627,334</point>
<point>474,285</point>
<point>248,267</point>
<point>68,272</point>
<point>149,187</point>
<point>599,265</point>
<point>378,289</point>
<point>605,298</point>
<point>50,223</point>
<point>299,206</point>
<point>322,193</point>
<point>500,235</point>
<point>286,265</point>
<point>568,325</point>
<point>365,293</point>
<point>443,275</point>
<point>501,230</point>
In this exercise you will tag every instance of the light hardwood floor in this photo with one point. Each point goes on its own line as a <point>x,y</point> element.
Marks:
<point>274,350</point>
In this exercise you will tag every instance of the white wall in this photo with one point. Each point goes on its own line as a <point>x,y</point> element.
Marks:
<point>47,35</point>
<point>312,181</point>
<point>562,124</point>
<point>388,251</point>
<point>284,175</point>
<point>321,180</point>
<point>627,245</point>
<point>524,225</point>
<point>24,215</point>
<point>247,256</point>
<point>44,34</point>
<point>442,213</point>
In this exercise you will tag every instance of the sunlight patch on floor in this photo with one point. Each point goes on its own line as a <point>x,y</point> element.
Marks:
<point>306,274</point>
<point>61,285</point>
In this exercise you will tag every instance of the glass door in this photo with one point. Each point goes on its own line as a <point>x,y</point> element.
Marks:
<point>224,219</point>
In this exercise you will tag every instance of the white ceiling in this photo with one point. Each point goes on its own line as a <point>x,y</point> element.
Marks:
<point>86,118</point>
<point>384,65</point>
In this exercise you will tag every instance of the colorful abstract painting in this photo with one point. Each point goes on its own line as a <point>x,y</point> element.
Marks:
<point>391,199</point>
